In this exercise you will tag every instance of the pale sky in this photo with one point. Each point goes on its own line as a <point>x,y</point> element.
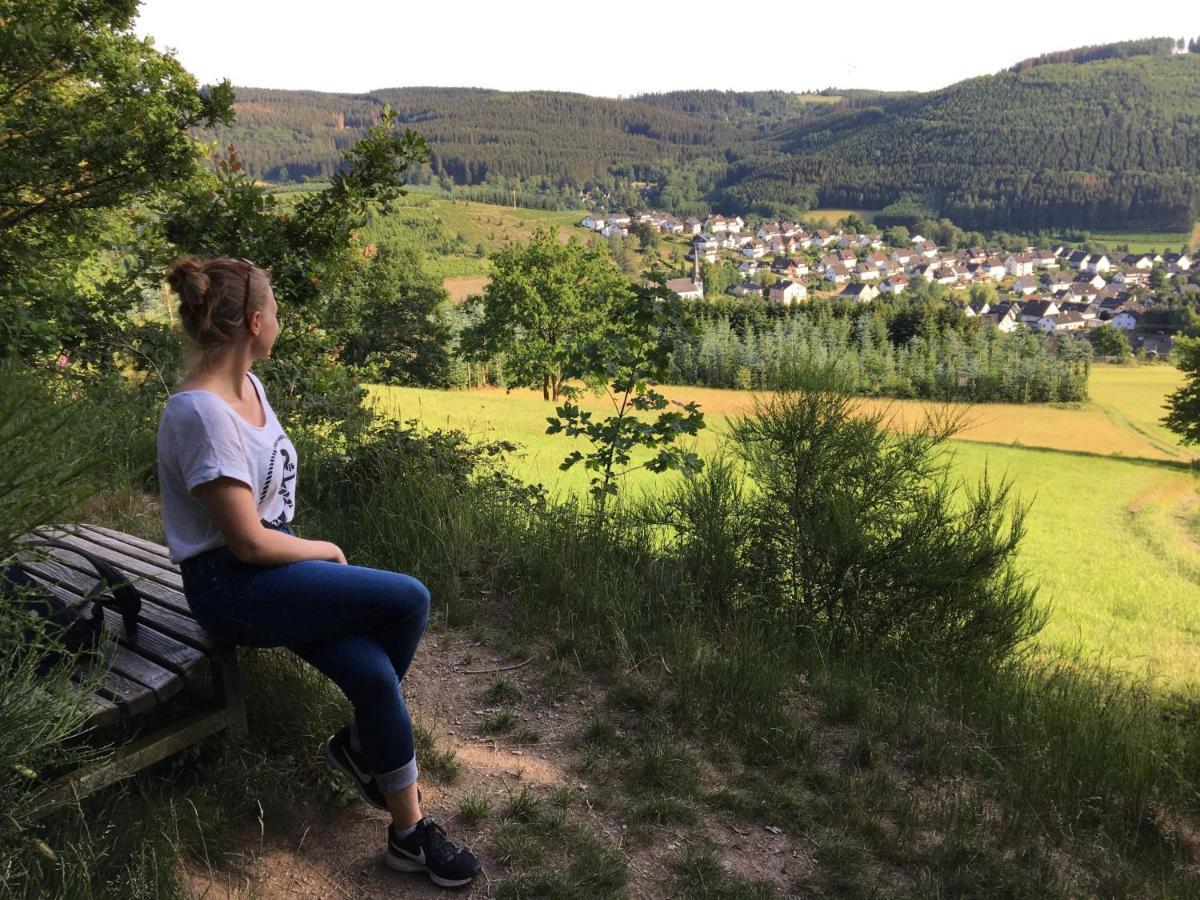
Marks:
<point>621,48</point>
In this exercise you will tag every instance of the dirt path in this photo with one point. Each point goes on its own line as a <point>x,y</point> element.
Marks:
<point>337,852</point>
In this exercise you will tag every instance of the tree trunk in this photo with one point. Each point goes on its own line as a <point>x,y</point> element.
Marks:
<point>545,385</point>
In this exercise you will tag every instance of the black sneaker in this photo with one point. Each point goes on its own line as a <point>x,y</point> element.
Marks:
<point>428,850</point>
<point>342,759</point>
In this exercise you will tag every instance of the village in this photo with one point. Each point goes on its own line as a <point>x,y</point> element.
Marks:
<point>1059,290</point>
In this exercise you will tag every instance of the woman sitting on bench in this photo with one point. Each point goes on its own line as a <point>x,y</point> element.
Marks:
<point>228,477</point>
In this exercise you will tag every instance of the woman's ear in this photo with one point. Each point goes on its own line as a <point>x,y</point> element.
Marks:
<point>254,322</point>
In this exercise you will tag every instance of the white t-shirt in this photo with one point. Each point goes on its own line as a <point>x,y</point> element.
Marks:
<point>201,438</point>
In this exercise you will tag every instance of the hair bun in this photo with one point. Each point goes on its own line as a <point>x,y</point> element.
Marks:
<point>189,280</point>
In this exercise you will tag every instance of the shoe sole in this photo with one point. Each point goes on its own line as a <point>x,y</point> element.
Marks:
<point>399,864</point>
<point>336,764</point>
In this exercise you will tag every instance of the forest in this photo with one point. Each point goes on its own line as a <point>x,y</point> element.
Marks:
<point>1098,137</point>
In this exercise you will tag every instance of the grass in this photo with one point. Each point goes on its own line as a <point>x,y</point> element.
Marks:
<point>440,764</point>
<point>500,722</point>
<point>1142,241</point>
<point>452,232</point>
<point>474,808</point>
<point>549,854</point>
<point>1112,539</point>
<point>699,876</point>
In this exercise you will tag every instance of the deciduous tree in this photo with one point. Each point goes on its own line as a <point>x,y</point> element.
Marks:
<point>1183,406</point>
<point>544,305</point>
<point>93,120</point>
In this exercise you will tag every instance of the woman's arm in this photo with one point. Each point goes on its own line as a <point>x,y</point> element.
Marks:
<point>232,508</point>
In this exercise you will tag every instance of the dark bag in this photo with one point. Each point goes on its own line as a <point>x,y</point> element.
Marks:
<point>76,626</point>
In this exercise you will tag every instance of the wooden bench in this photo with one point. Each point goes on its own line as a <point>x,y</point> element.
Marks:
<point>164,688</point>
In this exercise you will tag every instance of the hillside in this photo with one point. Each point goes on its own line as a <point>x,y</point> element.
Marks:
<point>1084,139</point>
<point>1108,141</point>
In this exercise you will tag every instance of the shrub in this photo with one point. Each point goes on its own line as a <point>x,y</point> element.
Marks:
<point>861,541</point>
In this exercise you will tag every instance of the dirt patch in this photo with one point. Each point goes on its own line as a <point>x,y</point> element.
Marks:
<point>463,287</point>
<point>338,853</point>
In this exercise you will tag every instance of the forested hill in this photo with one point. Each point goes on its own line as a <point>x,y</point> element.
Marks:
<point>1099,137</point>
<point>1101,143</point>
<point>539,141</point>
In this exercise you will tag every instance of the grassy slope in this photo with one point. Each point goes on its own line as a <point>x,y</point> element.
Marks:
<point>1113,541</point>
<point>478,223</point>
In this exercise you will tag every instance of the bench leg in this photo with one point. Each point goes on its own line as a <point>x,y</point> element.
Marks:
<point>229,689</point>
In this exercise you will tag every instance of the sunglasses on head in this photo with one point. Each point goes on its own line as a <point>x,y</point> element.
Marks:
<point>250,267</point>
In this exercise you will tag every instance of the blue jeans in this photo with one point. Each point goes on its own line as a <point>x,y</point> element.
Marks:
<point>358,626</point>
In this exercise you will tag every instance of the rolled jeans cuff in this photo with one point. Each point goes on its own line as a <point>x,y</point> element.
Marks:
<point>398,779</point>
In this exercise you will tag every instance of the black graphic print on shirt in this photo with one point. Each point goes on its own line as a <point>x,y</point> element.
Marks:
<point>282,457</point>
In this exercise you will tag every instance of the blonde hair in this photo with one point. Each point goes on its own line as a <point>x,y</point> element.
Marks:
<point>215,295</point>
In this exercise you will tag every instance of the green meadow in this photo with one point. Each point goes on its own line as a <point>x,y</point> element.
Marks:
<point>1142,241</point>
<point>452,233</point>
<point>1113,541</point>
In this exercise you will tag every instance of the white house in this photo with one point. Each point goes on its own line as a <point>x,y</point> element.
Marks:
<point>1069,321</point>
<point>1036,310</point>
<point>686,289</point>
<point>1018,264</point>
<point>862,293</point>
<point>837,273</point>
<point>788,292</point>
<point>747,289</point>
<point>1126,320</point>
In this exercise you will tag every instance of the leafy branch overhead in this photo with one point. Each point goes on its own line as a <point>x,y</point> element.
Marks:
<point>631,353</point>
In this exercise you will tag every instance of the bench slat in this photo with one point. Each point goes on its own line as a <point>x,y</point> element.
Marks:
<point>130,697</point>
<point>108,544</point>
<point>142,543</point>
<point>130,564</point>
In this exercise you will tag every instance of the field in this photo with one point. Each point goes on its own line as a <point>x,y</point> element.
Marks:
<point>828,218</point>
<point>1114,524</point>
<point>1142,241</point>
